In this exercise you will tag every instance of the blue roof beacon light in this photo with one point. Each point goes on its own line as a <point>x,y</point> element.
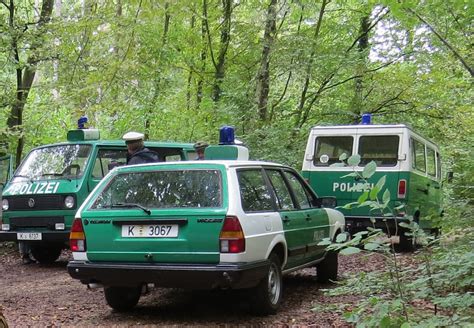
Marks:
<point>227,148</point>
<point>82,133</point>
<point>366,119</point>
<point>226,135</point>
<point>81,122</point>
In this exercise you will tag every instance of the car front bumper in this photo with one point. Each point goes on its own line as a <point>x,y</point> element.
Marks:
<point>192,276</point>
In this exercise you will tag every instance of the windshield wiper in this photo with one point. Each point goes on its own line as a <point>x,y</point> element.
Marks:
<point>23,176</point>
<point>146,210</point>
<point>54,175</point>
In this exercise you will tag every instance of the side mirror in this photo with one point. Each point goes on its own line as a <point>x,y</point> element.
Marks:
<point>449,176</point>
<point>309,157</point>
<point>327,202</point>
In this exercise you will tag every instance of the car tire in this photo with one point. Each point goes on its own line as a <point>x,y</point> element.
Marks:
<point>121,298</point>
<point>267,294</point>
<point>46,254</point>
<point>326,270</point>
<point>406,243</point>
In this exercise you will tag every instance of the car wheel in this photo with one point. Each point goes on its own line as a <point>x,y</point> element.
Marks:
<point>267,294</point>
<point>406,243</point>
<point>122,298</point>
<point>327,269</point>
<point>46,254</point>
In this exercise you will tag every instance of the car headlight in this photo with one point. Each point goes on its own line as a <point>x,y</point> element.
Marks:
<point>69,202</point>
<point>5,205</point>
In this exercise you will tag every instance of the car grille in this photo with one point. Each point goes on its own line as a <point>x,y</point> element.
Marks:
<point>38,222</point>
<point>40,202</point>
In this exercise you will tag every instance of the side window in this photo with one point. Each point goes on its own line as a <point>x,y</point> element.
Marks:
<point>282,193</point>
<point>302,196</point>
<point>106,160</point>
<point>431,161</point>
<point>167,154</point>
<point>328,149</point>
<point>419,161</point>
<point>383,150</point>
<point>254,191</point>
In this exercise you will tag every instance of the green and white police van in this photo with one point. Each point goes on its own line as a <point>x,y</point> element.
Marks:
<point>212,224</point>
<point>40,199</point>
<point>410,163</point>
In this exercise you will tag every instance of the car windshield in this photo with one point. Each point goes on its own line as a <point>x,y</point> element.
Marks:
<point>55,162</point>
<point>163,189</point>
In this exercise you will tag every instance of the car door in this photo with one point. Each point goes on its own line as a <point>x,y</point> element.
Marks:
<point>293,220</point>
<point>315,220</point>
<point>6,169</point>
<point>104,161</point>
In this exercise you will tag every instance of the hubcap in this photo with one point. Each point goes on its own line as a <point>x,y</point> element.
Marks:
<point>274,284</point>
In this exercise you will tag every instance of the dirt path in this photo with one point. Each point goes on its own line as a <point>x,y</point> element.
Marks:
<point>34,295</point>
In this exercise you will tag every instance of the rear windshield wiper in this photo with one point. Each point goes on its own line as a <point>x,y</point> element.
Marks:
<point>146,210</point>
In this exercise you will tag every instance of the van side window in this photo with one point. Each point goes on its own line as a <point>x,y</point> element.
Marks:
<point>431,162</point>
<point>254,191</point>
<point>328,149</point>
<point>283,195</point>
<point>419,161</point>
<point>302,197</point>
<point>106,160</point>
<point>383,150</point>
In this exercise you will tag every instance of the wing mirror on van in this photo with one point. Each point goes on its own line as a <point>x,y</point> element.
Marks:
<point>402,157</point>
<point>328,202</point>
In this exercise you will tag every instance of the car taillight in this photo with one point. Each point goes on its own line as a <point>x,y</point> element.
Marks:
<point>77,238</point>
<point>402,188</point>
<point>232,239</point>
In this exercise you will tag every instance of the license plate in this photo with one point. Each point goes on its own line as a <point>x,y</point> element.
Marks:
<point>151,231</point>
<point>29,236</point>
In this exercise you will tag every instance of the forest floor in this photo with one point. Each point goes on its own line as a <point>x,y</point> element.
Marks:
<point>46,296</point>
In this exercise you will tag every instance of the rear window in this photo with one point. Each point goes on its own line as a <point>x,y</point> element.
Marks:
<point>328,149</point>
<point>163,189</point>
<point>383,150</point>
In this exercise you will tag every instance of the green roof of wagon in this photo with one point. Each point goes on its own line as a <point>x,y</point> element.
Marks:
<point>168,144</point>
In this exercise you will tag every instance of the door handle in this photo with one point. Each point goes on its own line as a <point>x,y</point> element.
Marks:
<point>308,218</point>
<point>286,219</point>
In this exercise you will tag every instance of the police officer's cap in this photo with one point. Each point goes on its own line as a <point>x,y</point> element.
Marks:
<point>200,145</point>
<point>133,136</point>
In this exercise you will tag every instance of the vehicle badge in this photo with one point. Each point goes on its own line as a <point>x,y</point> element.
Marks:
<point>31,202</point>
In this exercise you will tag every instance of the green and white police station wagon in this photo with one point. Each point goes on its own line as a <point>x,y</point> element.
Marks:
<point>410,162</point>
<point>42,196</point>
<point>212,224</point>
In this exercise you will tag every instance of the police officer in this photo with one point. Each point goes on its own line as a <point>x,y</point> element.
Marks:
<point>199,147</point>
<point>137,153</point>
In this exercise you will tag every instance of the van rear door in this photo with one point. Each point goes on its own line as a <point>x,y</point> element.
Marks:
<point>383,147</point>
<point>326,172</point>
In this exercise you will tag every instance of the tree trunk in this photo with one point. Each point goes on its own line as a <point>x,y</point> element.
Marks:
<point>223,46</point>
<point>25,76</point>
<point>204,46</point>
<point>302,112</point>
<point>361,67</point>
<point>263,78</point>
<point>157,91</point>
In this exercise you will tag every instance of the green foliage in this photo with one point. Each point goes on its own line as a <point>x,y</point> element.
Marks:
<point>440,279</point>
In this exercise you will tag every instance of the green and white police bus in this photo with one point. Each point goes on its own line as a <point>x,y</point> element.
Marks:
<point>40,199</point>
<point>410,162</point>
